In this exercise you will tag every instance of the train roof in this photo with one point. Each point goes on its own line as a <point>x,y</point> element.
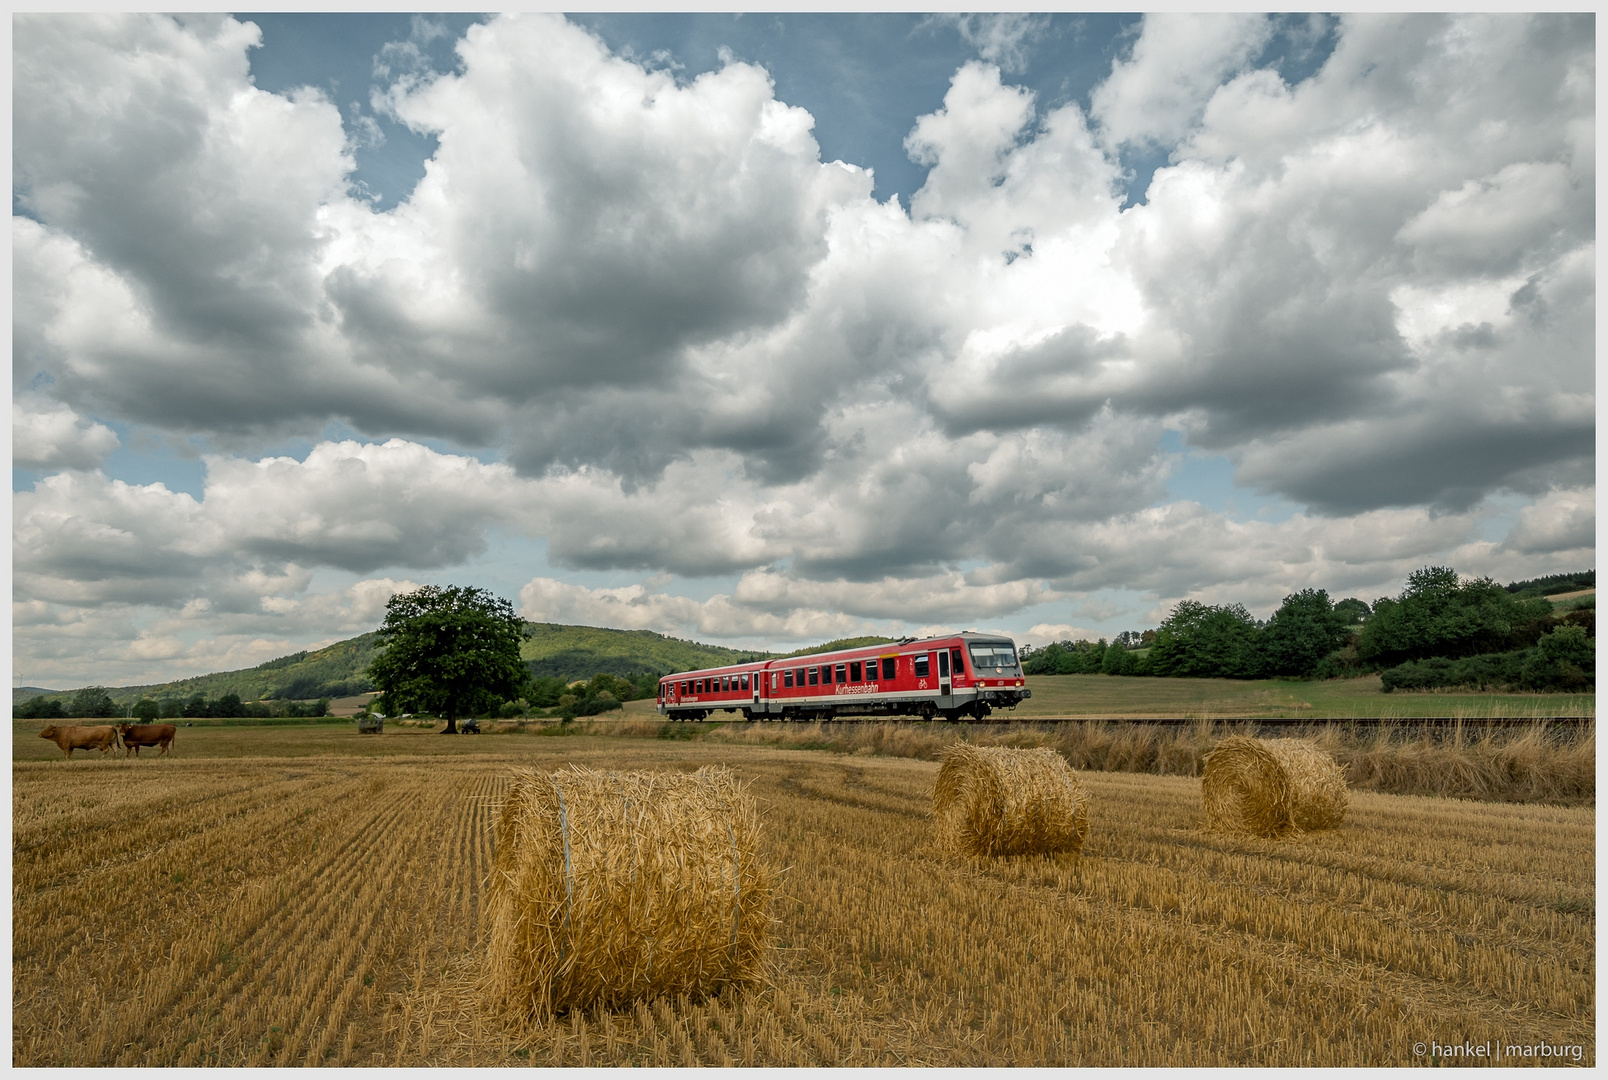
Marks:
<point>902,645</point>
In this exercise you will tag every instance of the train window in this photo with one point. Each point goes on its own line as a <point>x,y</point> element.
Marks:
<point>923,665</point>
<point>745,680</point>
<point>815,676</point>
<point>826,674</point>
<point>956,662</point>
<point>725,684</point>
<point>943,664</point>
<point>854,671</point>
<point>890,667</point>
<point>787,677</point>
<point>997,655</point>
<point>842,673</point>
<point>773,680</point>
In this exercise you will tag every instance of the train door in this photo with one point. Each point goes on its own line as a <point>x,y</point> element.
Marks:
<point>943,672</point>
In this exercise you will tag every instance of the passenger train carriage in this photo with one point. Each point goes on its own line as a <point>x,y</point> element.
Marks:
<point>952,676</point>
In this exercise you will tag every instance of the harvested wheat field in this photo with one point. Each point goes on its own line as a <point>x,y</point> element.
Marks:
<point>313,896</point>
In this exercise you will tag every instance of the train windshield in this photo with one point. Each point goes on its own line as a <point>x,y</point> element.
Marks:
<point>993,656</point>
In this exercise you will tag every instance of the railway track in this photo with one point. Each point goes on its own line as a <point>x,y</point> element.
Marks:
<point>1267,723</point>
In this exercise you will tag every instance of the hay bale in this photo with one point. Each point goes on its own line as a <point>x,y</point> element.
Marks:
<point>1272,786</point>
<point>608,888</point>
<point>993,800</point>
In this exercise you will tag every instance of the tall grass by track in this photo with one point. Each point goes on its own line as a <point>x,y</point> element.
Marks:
<point>1531,764</point>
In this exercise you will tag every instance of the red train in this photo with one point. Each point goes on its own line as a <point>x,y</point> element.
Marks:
<point>952,676</point>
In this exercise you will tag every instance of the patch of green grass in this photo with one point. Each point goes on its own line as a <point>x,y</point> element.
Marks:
<point>1118,697</point>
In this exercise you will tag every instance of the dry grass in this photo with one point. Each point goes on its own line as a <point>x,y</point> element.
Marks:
<point>1531,764</point>
<point>330,909</point>
<point>1270,787</point>
<point>992,801</point>
<point>609,888</point>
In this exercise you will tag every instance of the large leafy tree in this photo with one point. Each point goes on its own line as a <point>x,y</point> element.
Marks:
<point>1305,629</point>
<point>450,651</point>
<point>1207,642</point>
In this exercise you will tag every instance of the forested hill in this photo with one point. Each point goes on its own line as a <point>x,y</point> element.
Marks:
<point>568,652</point>
<point>579,652</point>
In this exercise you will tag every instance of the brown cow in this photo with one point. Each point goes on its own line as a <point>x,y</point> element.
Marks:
<point>138,735</point>
<point>72,737</point>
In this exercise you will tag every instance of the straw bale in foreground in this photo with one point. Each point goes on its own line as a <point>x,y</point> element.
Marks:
<point>609,887</point>
<point>1272,786</point>
<point>993,800</point>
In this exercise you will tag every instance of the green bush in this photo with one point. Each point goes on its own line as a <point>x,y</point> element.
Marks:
<point>1564,661</point>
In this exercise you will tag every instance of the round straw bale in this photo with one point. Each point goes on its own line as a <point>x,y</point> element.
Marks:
<point>610,887</point>
<point>1272,786</point>
<point>993,800</point>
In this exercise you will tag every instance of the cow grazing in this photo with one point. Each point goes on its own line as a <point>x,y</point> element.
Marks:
<point>138,735</point>
<point>72,737</point>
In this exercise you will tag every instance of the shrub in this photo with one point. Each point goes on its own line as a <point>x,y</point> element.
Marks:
<point>1564,660</point>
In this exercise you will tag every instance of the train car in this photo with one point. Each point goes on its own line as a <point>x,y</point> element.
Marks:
<point>953,675</point>
<point>693,695</point>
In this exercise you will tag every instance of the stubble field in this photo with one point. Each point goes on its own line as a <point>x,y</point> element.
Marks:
<point>311,896</point>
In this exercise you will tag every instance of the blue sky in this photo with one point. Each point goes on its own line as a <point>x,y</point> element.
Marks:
<point>767,329</point>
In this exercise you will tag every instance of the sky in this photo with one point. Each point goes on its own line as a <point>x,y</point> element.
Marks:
<point>766,330</point>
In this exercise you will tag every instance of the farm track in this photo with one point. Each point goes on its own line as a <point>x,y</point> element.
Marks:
<point>301,911</point>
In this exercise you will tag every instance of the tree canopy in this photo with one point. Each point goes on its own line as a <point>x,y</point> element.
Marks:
<point>449,651</point>
<point>1438,615</point>
<point>1305,629</point>
<point>1205,641</point>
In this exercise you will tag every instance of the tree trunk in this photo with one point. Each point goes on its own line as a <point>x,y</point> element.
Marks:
<point>452,726</point>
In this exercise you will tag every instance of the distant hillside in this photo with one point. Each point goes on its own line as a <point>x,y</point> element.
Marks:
<point>1554,583</point>
<point>338,670</point>
<point>579,652</point>
<point>333,671</point>
<point>842,643</point>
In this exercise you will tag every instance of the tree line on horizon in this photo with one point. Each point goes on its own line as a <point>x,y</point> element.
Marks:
<point>1441,631</point>
<point>95,703</point>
